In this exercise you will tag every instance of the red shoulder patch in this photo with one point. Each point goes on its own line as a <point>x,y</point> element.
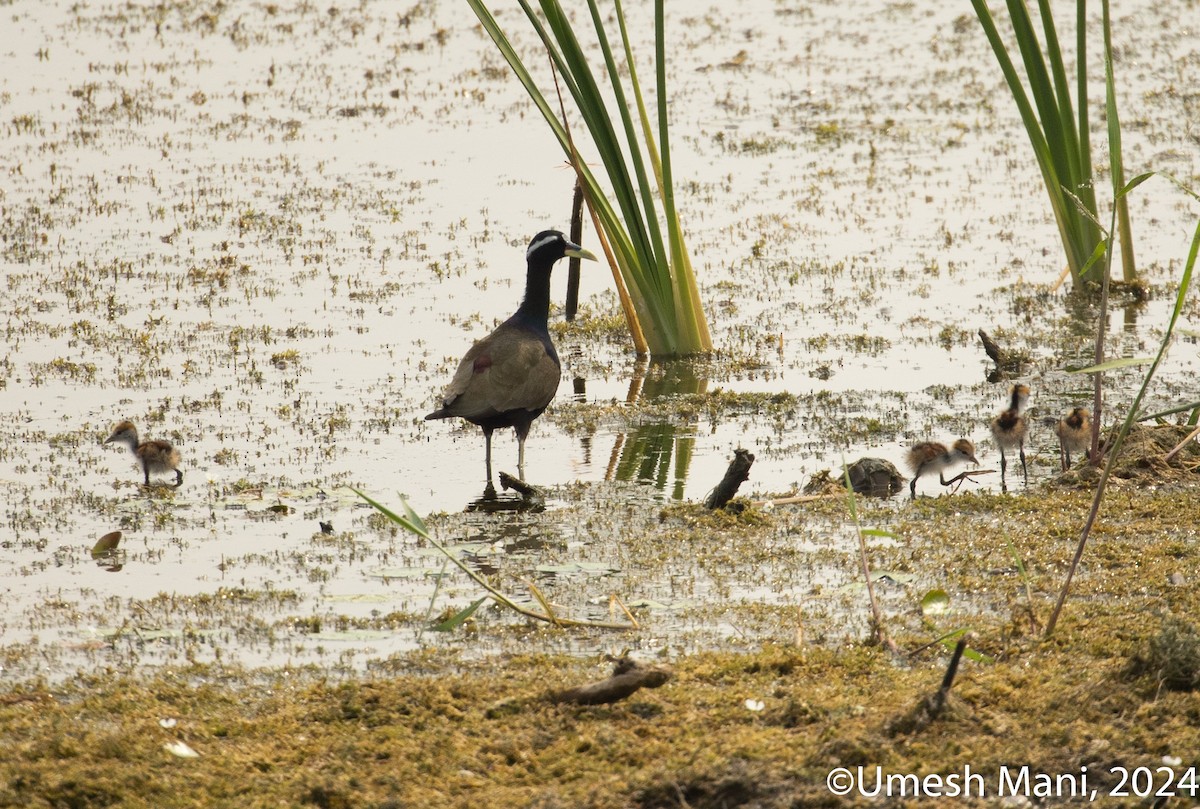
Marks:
<point>482,363</point>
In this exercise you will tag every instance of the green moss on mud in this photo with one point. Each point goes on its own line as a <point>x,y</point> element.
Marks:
<point>424,729</point>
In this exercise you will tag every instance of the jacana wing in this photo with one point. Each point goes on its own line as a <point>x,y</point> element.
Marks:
<point>510,369</point>
<point>524,374</point>
<point>462,395</point>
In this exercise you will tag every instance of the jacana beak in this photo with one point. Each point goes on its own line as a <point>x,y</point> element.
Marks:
<point>575,251</point>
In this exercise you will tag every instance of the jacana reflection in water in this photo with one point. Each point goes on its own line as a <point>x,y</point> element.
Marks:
<point>508,378</point>
<point>1009,429</point>
<point>928,457</point>
<point>1074,431</point>
<point>152,456</point>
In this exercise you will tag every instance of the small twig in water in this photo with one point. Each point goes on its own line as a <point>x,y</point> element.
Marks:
<point>735,475</point>
<point>1190,437</point>
<point>627,677</point>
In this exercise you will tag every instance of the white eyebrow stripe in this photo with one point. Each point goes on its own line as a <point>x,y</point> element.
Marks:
<point>538,245</point>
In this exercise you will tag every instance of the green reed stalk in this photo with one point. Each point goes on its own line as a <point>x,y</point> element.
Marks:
<point>657,271</point>
<point>1114,150</point>
<point>1114,452</point>
<point>1121,191</point>
<point>1060,136</point>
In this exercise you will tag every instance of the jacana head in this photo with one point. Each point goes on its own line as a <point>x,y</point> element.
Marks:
<point>1078,418</point>
<point>123,433</point>
<point>550,245</point>
<point>965,448</point>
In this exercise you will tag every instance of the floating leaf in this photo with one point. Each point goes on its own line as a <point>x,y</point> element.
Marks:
<point>462,549</point>
<point>359,598</point>
<point>142,634</point>
<point>1112,365</point>
<point>653,606</point>
<point>106,544</point>
<point>403,572</point>
<point>459,618</point>
<point>180,749</point>
<point>935,602</point>
<point>597,568</point>
<point>351,635</point>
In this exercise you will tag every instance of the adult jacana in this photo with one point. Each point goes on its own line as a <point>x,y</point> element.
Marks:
<point>509,377</point>
<point>928,457</point>
<point>1074,431</point>
<point>1009,429</point>
<point>152,456</point>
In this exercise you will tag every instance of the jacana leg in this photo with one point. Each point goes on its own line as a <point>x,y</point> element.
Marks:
<point>522,431</point>
<point>487,442</point>
<point>178,478</point>
<point>1024,470</point>
<point>1003,465</point>
<point>912,487</point>
<point>966,473</point>
<point>146,471</point>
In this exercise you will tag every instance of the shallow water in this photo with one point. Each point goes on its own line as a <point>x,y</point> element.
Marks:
<point>268,233</point>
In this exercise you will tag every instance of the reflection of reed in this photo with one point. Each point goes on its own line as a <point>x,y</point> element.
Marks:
<point>579,394</point>
<point>645,452</point>
<point>635,390</point>
<point>1082,302</point>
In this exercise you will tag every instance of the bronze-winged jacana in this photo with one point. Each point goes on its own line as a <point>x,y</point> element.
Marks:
<point>509,377</point>
<point>1074,431</point>
<point>1010,427</point>
<point>928,457</point>
<point>152,456</point>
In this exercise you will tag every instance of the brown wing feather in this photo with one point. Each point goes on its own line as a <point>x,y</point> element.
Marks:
<point>158,456</point>
<point>452,404</point>
<point>507,370</point>
<point>525,377</point>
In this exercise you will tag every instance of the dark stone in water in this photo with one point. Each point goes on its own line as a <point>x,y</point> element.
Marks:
<point>875,477</point>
